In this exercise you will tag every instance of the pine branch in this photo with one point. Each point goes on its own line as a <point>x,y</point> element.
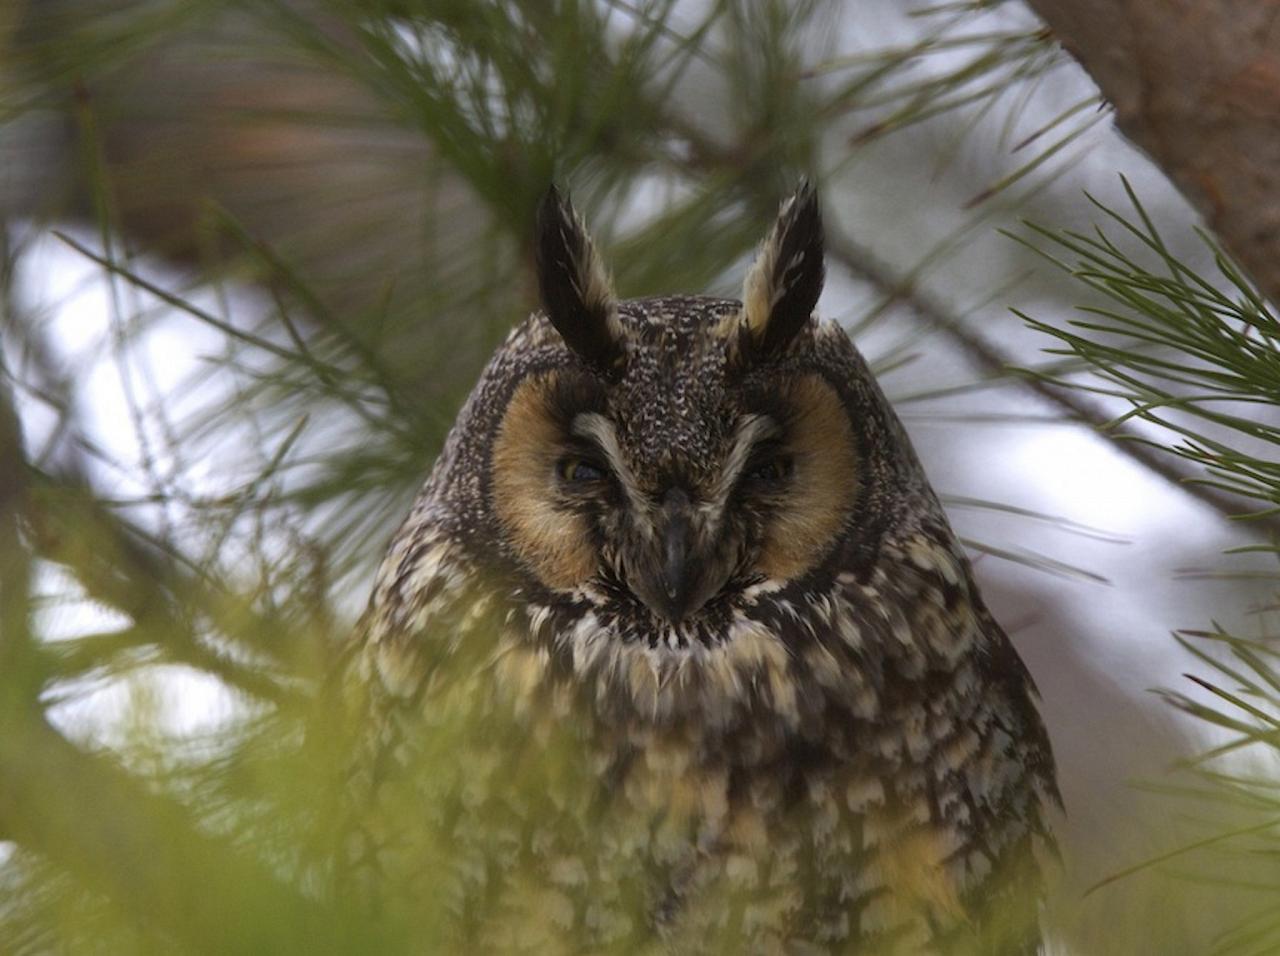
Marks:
<point>92,819</point>
<point>995,362</point>
<point>1197,85</point>
<point>17,680</point>
<point>143,852</point>
<point>123,567</point>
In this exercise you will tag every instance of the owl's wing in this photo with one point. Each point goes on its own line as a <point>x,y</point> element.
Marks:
<point>963,771</point>
<point>407,688</point>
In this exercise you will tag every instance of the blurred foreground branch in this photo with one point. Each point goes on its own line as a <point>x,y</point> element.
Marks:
<point>88,816</point>
<point>93,820</point>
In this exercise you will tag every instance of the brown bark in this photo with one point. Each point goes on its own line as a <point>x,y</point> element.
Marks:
<point>1196,84</point>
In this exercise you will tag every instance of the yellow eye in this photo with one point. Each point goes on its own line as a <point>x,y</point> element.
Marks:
<point>580,471</point>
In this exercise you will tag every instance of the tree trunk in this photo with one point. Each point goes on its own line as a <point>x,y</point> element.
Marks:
<point>1196,84</point>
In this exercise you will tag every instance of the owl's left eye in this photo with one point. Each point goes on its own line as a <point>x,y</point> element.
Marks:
<point>580,471</point>
<point>772,471</point>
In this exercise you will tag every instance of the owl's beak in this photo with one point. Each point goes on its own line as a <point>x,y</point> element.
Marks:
<point>675,564</point>
<point>678,577</point>
<point>673,574</point>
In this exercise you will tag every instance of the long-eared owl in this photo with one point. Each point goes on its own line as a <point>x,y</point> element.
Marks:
<point>676,651</point>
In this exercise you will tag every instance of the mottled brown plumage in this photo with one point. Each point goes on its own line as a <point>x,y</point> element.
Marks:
<point>679,594</point>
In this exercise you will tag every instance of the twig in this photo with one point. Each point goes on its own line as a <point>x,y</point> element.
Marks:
<point>996,362</point>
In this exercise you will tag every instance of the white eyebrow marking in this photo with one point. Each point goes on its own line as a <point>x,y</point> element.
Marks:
<point>599,429</point>
<point>751,429</point>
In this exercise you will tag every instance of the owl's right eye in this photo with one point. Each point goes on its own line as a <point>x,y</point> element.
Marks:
<point>578,471</point>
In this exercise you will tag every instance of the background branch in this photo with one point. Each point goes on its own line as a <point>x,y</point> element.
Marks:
<point>993,362</point>
<point>1196,84</point>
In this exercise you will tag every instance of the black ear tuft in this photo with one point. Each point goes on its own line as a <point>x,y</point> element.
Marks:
<point>783,285</point>
<point>575,286</point>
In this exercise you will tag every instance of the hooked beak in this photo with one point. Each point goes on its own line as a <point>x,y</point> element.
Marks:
<point>672,585</point>
<point>677,576</point>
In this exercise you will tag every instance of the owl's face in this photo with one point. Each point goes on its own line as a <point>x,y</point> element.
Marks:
<point>686,477</point>
<point>682,502</point>
<point>674,456</point>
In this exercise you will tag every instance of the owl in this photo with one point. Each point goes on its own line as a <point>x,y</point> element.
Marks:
<point>676,651</point>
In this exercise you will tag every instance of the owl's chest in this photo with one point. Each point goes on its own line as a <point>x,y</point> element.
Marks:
<point>573,806</point>
<point>570,825</point>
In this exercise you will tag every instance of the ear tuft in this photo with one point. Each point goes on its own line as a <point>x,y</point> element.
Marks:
<point>576,290</point>
<point>784,282</point>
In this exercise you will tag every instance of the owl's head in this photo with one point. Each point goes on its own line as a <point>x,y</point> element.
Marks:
<point>669,457</point>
